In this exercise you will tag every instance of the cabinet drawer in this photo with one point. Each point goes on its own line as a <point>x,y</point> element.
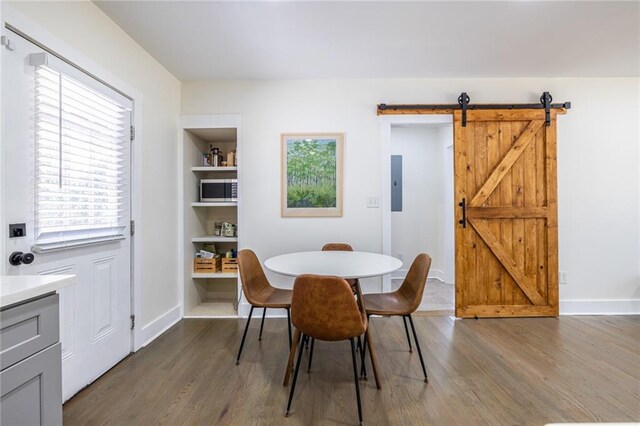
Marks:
<point>28,328</point>
<point>31,390</point>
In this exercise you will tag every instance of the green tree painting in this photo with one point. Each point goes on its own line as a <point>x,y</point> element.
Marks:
<point>311,173</point>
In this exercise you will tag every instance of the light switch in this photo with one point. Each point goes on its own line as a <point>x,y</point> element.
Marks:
<point>564,277</point>
<point>373,202</point>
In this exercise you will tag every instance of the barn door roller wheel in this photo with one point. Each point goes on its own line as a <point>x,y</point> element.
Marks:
<point>546,100</point>
<point>463,101</point>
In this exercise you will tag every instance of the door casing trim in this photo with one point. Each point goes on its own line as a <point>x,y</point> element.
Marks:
<point>385,122</point>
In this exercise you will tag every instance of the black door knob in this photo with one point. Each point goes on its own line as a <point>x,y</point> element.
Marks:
<point>27,258</point>
<point>17,257</point>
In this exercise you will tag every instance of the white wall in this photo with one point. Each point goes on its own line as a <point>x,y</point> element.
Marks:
<point>598,163</point>
<point>84,28</point>
<point>418,228</point>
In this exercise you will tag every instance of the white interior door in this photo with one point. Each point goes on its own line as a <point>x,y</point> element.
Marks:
<point>95,313</point>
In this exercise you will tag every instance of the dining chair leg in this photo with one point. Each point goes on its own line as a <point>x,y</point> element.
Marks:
<point>292,352</point>
<point>372,356</point>
<point>295,375</point>
<point>415,338</point>
<point>363,367</point>
<point>244,336</point>
<point>359,344</point>
<point>406,330</point>
<point>355,378</point>
<point>313,342</point>
<point>289,324</point>
<point>264,311</point>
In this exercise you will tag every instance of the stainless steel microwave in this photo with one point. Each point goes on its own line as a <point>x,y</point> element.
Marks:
<point>218,190</point>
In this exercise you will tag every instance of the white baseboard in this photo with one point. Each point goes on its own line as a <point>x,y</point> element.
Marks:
<point>600,307</point>
<point>434,274</point>
<point>567,307</point>
<point>244,308</point>
<point>161,324</point>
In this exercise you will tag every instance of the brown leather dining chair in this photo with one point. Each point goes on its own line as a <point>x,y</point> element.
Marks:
<point>402,302</point>
<point>323,308</point>
<point>259,293</point>
<point>353,283</point>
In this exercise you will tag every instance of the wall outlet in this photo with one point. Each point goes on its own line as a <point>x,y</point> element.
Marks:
<point>373,202</point>
<point>564,277</point>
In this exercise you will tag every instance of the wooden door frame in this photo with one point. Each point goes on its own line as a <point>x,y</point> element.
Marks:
<point>385,122</point>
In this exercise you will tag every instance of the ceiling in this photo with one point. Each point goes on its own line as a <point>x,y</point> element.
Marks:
<point>308,40</point>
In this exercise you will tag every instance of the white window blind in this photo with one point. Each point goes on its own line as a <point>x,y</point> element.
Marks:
<point>81,162</point>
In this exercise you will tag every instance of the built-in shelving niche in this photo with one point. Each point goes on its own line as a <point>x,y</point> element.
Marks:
<point>208,295</point>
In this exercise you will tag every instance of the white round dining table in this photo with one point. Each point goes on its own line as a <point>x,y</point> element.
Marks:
<point>344,264</point>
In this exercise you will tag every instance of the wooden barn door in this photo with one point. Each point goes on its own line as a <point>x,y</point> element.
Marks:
<point>507,250</point>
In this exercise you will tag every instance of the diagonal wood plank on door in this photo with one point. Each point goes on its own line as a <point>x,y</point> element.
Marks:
<point>527,285</point>
<point>507,162</point>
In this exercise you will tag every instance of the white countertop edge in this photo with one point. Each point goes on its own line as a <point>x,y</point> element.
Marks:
<point>19,288</point>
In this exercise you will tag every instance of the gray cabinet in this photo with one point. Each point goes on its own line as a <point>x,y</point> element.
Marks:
<point>32,391</point>
<point>27,328</point>
<point>31,378</point>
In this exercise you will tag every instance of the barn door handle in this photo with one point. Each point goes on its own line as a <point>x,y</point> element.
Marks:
<point>463,205</point>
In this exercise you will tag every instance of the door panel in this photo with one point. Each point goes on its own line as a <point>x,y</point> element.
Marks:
<point>95,313</point>
<point>506,256</point>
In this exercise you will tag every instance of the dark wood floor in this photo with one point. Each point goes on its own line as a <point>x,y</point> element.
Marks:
<point>493,372</point>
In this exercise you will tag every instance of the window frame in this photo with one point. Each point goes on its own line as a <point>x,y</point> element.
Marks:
<point>97,236</point>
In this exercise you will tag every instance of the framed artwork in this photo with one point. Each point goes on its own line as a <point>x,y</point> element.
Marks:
<point>312,174</point>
